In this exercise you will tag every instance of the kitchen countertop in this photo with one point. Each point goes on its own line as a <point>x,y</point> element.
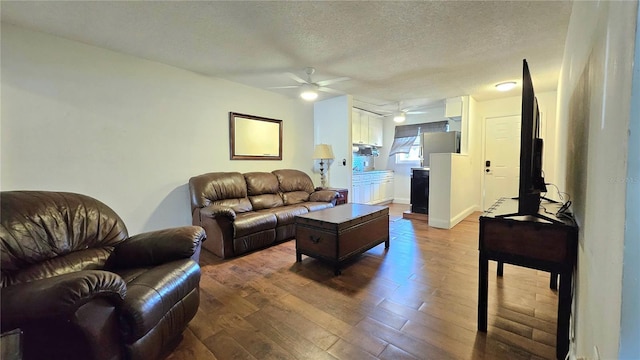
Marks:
<point>370,171</point>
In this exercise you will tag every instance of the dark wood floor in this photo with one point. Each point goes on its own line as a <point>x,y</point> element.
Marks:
<point>418,300</point>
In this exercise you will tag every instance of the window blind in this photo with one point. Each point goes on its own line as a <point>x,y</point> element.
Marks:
<point>405,135</point>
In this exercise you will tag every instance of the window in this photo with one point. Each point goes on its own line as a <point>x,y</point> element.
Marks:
<point>406,142</point>
<point>412,157</point>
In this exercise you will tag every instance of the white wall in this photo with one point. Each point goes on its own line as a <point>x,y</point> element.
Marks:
<point>332,124</point>
<point>594,112</point>
<point>451,194</point>
<point>127,131</point>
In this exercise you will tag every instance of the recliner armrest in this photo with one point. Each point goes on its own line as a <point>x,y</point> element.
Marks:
<point>157,247</point>
<point>57,297</point>
<point>324,195</point>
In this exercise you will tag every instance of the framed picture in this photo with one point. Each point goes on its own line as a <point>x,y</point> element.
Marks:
<point>254,137</point>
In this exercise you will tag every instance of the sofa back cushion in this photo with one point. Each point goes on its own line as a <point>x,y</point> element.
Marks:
<point>295,185</point>
<point>45,233</point>
<point>263,190</point>
<point>219,188</point>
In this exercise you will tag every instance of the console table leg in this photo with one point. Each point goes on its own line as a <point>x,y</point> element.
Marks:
<point>483,284</point>
<point>298,256</point>
<point>564,310</point>
<point>553,281</point>
<point>500,268</point>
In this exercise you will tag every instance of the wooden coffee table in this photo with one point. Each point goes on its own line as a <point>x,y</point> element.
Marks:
<point>337,234</point>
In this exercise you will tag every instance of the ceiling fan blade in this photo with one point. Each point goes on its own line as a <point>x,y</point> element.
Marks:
<point>284,87</point>
<point>296,78</point>
<point>329,90</point>
<point>332,81</point>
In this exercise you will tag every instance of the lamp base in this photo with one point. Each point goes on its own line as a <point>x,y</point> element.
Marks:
<point>322,177</point>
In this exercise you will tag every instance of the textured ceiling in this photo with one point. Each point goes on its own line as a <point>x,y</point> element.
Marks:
<point>414,52</point>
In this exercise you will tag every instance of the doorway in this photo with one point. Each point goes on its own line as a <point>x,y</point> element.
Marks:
<point>501,159</point>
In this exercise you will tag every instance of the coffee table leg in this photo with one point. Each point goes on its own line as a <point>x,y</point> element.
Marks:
<point>298,256</point>
<point>386,243</point>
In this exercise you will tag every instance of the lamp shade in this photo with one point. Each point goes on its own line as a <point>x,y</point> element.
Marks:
<point>323,151</point>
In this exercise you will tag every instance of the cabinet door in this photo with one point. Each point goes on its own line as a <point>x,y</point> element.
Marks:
<point>376,191</point>
<point>367,193</point>
<point>356,128</point>
<point>364,128</point>
<point>388,190</point>
<point>375,130</point>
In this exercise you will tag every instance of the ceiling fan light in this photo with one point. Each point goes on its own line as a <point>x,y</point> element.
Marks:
<point>506,86</point>
<point>399,117</point>
<point>308,92</point>
<point>309,95</point>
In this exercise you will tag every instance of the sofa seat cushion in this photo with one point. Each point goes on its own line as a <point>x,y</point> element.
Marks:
<point>315,206</point>
<point>153,292</point>
<point>252,222</point>
<point>287,214</point>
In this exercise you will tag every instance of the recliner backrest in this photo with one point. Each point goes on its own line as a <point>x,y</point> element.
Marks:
<point>219,188</point>
<point>295,185</point>
<point>263,190</point>
<point>43,234</point>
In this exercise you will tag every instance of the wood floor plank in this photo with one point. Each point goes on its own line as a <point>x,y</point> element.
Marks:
<point>415,300</point>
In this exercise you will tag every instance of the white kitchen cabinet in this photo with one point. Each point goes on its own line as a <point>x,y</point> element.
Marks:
<point>356,126</point>
<point>373,187</point>
<point>366,129</point>
<point>359,127</point>
<point>375,130</point>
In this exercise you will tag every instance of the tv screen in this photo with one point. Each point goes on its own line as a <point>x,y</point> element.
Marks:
<point>531,182</point>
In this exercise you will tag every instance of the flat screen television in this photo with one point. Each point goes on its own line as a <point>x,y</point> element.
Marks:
<point>531,180</point>
<point>531,183</point>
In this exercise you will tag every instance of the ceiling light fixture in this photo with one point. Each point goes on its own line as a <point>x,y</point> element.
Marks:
<point>399,117</point>
<point>506,86</point>
<point>308,92</point>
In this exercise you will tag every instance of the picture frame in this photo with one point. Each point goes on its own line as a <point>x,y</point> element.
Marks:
<point>254,137</point>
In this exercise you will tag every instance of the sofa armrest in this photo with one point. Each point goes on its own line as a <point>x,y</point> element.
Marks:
<point>57,297</point>
<point>214,211</point>
<point>324,195</point>
<point>157,247</point>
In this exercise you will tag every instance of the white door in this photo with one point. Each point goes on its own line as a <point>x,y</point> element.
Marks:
<point>502,158</point>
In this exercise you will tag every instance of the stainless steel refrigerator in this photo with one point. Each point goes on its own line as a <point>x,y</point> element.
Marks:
<point>439,142</point>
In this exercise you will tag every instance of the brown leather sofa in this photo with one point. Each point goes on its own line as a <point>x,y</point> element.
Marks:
<point>79,287</point>
<point>245,212</point>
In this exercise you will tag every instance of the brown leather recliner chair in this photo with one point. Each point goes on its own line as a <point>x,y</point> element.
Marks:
<point>79,287</point>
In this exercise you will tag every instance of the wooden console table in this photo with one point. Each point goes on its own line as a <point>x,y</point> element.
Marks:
<point>534,243</point>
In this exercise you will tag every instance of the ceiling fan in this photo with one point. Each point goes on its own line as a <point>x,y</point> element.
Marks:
<point>400,115</point>
<point>308,88</point>
<point>395,109</point>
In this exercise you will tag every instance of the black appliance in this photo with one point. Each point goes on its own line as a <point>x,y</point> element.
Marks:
<point>420,190</point>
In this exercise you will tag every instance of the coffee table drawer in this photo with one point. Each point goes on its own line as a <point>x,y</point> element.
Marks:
<point>316,242</point>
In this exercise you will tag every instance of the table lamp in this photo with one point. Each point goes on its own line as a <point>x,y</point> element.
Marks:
<point>322,152</point>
